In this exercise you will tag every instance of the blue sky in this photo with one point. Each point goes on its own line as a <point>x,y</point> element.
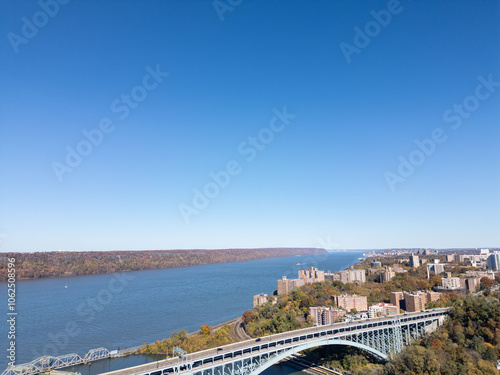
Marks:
<point>329,169</point>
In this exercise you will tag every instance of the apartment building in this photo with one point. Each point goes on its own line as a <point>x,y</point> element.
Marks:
<point>325,315</point>
<point>312,275</point>
<point>287,285</point>
<point>494,261</point>
<point>351,275</point>
<point>332,276</point>
<point>387,275</point>
<point>449,282</point>
<point>382,309</point>
<point>260,299</point>
<point>414,262</point>
<point>480,274</point>
<point>349,302</point>
<point>450,258</point>
<point>471,283</point>
<point>397,268</point>
<point>398,299</point>
<point>415,301</point>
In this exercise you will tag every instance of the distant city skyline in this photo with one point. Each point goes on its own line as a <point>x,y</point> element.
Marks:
<point>190,125</point>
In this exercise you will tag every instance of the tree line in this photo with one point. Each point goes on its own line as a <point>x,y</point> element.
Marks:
<point>68,263</point>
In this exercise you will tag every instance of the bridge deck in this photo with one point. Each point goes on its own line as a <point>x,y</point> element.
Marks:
<point>247,349</point>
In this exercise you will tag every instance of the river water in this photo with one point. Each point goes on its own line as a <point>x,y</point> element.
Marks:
<point>75,314</point>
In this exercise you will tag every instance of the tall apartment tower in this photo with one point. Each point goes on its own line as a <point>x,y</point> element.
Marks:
<point>398,299</point>
<point>415,301</point>
<point>287,285</point>
<point>494,261</point>
<point>414,262</point>
<point>351,275</point>
<point>312,275</point>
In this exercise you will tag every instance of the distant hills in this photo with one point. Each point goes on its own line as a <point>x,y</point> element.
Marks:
<point>69,263</point>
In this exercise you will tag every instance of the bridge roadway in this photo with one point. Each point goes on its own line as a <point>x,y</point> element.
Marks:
<point>197,361</point>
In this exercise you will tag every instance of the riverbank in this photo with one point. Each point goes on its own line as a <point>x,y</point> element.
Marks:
<point>236,326</point>
<point>68,263</point>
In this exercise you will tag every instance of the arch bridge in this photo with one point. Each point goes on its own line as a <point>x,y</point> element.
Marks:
<point>381,337</point>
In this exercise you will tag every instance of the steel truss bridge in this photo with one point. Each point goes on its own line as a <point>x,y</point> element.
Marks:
<point>381,337</point>
<point>48,363</point>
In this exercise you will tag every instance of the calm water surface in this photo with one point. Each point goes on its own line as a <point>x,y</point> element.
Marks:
<point>66,315</point>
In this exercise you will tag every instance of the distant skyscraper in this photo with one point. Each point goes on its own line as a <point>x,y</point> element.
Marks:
<point>494,261</point>
<point>451,258</point>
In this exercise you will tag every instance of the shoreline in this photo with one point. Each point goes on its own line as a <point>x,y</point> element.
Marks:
<point>252,254</point>
<point>217,326</point>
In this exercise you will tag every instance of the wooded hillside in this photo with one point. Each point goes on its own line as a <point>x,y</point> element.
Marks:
<point>69,263</point>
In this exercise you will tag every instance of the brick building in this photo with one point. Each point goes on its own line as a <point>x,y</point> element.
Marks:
<point>287,285</point>
<point>312,275</point>
<point>349,302</point>
<point>415,301</point>
<point>325,315</point>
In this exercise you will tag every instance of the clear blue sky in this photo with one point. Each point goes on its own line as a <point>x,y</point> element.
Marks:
<point>330,172</point>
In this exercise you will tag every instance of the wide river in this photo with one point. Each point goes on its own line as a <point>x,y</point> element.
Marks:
<point>75,314</point>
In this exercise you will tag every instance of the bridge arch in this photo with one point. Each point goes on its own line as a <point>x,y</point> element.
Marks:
<point>327,342</point>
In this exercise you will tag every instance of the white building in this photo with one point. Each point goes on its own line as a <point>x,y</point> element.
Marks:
<point>351,275</point>
<point>382,309</point>
<point>450,282</point>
